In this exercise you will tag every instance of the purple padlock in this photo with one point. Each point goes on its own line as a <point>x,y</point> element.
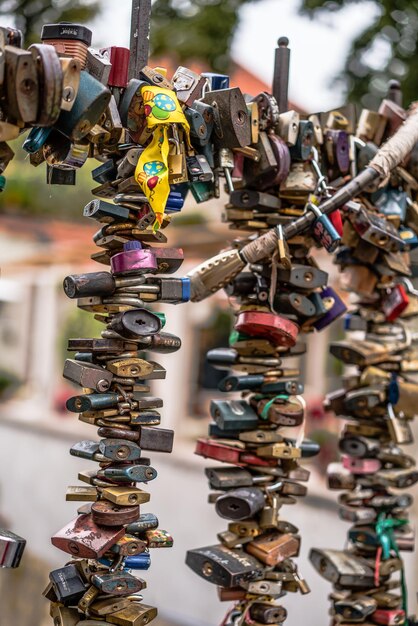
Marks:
<point>340,148</point>
<point>133,259</point>
<point>282,156</point>
<point>337,309</point>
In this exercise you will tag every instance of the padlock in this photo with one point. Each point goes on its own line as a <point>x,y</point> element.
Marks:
<point>198,169</point>
<point>91,102</point>
<point>323,230</point>
<point>346,570</point>
<point>188,85</point>
<point>233,415</point>
<point>274,547</point>
<point>356,609</point>
<point>265,324</point>
<point>64,615</point>
<point>118,58</point>
<point>117,584</point>
<point>11,549</point>
<point>22,85</point>
<point>177,165</point>
<point>240,503</point>
<point>125,496</point>
<point>301,150</point>
<point>130,474</point>
<point>394,302</point>
<point>232,123</point>
<point>155,77</point>
<point>158,539</point>
<point>337,150</point>
<point>134,258</point>
<point>82,538</point>
<point>299,184</point>
<point>267,613</point>
<point>337,309</point>
<point>69,40</point>
<point>222,566</point>
<point>133,615</point>
<point>371,126</point>
<point>104,607</point>
<point>288,127</point>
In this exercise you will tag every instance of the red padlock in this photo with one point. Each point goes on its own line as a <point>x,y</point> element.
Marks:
<point>387,617</point>
<point>83,538</point>
<point>337,221</point>
<point>395,302</point>
<point>280,330</point>
<point>218,451</point>
<point>119,58</point>
<point>211,449</point>
<point>361,466</point>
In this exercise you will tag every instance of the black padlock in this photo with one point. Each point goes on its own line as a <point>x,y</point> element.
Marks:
<point>136,324</point>
<point>68,584</point>
<point>233,415</point>
<point>232,122</point>
<point>240,503</point>
<point>224,567</point>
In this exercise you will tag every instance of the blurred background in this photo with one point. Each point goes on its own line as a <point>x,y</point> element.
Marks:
<point>341,50</point>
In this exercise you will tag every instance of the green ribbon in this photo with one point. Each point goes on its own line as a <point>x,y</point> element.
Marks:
<point>264,412</point>
<point>384,531</point>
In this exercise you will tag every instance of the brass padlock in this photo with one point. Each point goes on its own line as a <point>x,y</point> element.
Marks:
<point>177,165</point>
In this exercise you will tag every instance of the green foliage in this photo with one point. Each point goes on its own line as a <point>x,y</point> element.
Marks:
<point>27,193</point>
<point>385,49</point>
<point>196,29</point>
<point>76,323</point>
<point>30,15</point>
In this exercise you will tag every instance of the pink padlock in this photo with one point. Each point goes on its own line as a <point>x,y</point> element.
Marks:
<point>361,466</point>
<point>134,259</point>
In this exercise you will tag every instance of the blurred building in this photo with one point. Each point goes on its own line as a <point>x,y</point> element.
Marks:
<point>36,431</point>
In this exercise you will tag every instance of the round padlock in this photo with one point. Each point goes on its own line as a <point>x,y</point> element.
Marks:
<point>280,330</point>
<point>106,513</point>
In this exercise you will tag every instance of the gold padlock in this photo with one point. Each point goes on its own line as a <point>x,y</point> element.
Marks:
<point>177,167</point>
<point>125,496</point>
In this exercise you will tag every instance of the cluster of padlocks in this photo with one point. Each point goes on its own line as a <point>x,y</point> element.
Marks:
<point>301,161</point>
<point>378,399</point>
<point>287,176</point>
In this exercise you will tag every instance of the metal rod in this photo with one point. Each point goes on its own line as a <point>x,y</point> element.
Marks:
<point>281,74</point>
<point>140,31</point>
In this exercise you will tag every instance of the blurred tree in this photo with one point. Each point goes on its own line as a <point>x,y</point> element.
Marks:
<point>384,49</point>
<point>196,29</point>
<point>30,15</point>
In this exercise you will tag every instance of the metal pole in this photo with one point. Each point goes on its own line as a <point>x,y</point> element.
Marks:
<point>140,31</point>
<point>281,74</point>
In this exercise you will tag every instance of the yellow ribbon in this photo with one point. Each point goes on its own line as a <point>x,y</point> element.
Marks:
<point>161,108</point>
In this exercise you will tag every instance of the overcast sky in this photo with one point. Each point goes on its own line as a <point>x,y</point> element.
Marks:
<point>318,47</point>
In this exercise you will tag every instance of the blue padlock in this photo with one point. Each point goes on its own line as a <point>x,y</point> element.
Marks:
<point>216,81</point>
<point>36,139</point>
<point>409,238</point>
<point>391,201</point>
<point>139,561</point>
<point>175,202</point>
<point>186,289</point>
<point>91,102</point>
<point>393,390</point>
<point>323,231</point>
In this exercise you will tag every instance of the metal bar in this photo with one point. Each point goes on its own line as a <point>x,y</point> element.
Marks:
<point>281,74</point>
<point>140,31</point>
